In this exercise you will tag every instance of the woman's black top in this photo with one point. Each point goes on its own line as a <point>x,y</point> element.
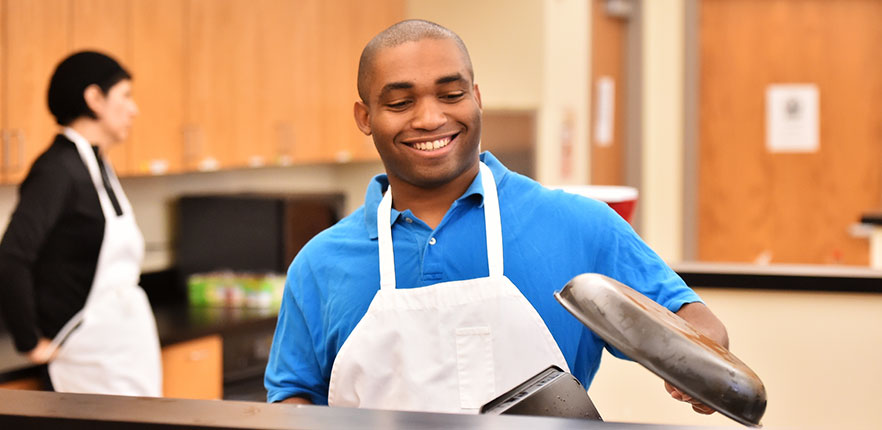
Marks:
<point>50,250</point>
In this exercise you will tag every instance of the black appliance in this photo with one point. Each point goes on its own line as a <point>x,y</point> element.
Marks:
<point>257,233</point>
<point>249,232</point>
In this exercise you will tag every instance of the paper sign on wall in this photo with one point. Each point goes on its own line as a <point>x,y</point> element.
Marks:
<point>792,118</point>
<point>604,111</point>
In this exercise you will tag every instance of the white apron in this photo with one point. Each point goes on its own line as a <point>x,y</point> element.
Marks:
<point>111,346</point>
<point>448,347</point>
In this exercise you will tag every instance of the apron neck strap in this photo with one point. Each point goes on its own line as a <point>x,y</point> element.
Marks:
<point>492,224</point>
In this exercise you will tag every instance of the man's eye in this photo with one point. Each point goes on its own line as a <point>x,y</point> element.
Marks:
<point>398,105</point>
<point>453,96</point>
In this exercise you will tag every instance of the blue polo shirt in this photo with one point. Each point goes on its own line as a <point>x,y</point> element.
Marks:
<point>548,237</point>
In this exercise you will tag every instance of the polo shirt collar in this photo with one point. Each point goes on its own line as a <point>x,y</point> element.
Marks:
<point>380,183</point>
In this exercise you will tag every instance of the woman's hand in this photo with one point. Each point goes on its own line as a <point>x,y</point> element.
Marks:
<point>43,353</point>
<point>697,406</point>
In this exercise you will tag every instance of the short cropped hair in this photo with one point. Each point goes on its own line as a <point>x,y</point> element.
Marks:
<point>410,30</point>
<point>71,78</point>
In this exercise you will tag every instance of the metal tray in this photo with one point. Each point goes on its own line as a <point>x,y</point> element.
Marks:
<point>667,345</point>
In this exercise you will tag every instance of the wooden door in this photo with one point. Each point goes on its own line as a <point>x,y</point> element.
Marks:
<point>221,87</point>
<point>788,207</point>
<point>35,39</point>
<point>608,42</point>
<point>103,26</point>
<point>158,65</point>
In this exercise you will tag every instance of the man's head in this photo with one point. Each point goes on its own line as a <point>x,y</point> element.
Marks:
<point>420,103</point>
<point>94,86</point>
<point>410,30</point>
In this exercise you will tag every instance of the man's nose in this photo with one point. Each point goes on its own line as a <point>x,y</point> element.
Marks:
<point>428,115</point>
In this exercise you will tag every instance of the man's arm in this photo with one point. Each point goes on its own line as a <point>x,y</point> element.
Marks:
<point>701,317</point>
<point>297,401</point>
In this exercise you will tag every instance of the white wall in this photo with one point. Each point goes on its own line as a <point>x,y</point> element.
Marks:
<point>661,191</point>
<point>505,41</point>
<point>529,54</point>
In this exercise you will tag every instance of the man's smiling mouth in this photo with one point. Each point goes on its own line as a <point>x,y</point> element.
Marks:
<point>433,145</point>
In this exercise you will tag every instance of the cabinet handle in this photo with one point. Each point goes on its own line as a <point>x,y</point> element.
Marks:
<point>4,136</point>
<point>285,140</point>
<point>197,355</point>
<point>20,138</point>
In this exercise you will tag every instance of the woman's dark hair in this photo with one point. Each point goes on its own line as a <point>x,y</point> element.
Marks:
<point>71,78</point>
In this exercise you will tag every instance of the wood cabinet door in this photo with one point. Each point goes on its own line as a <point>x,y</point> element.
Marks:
<point>158,65</point>
<point>35,39</point>
<point>103,26</point>
<point>222,103</point>
<point>288,90</point>
<point>193,369</point>
<point>794,207</point>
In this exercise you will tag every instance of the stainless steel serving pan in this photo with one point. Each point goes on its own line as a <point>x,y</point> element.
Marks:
<point>667,345</point>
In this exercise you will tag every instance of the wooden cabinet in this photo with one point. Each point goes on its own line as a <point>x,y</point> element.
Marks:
<point>34,38</point>
<point>193,369</point>
<point>219,83</point>
<point>102,25</point>
<point>288,91</point>
<point>158,62</point>
<point>223,104</point>
<point>23,384</point>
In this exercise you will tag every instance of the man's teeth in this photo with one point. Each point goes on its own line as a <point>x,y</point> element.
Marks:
<point>435,144</point>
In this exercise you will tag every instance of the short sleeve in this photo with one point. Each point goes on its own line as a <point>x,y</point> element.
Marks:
<point>293,368</point>
<point>629,260</point>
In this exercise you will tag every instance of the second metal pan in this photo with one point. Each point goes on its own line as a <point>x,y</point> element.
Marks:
<point>667,345</point>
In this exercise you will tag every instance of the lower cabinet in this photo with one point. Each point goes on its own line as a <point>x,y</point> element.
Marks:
<point>193,369</point>
<point>23,384</point>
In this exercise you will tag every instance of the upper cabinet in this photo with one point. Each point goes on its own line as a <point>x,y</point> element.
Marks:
<point>219,83</point>
<point>101,25</point>
<point>34,38</point>
<point>158,62</point>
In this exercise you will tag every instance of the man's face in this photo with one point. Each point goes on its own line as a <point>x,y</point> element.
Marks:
<point>424,113</point>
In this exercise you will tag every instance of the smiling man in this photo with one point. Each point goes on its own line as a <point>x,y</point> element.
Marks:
<point>437,294</point>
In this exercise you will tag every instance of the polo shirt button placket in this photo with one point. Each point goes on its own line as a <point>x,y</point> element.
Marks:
<point>432,241</point>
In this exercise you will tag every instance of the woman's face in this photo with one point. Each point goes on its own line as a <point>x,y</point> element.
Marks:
<point>116,110</point>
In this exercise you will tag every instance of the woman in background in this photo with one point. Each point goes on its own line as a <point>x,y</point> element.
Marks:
<point>70,258</point>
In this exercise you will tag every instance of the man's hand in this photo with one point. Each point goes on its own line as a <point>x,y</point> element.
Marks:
<point>705,321</point>
<point>683,397</point>
<point>43,353</point>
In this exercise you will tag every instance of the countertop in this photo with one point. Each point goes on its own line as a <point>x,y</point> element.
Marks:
<point>37,409</point>
<point>800,277</point>
<point>176,322</point>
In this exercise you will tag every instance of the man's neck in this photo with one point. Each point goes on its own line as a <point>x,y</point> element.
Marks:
<point>429,205</point>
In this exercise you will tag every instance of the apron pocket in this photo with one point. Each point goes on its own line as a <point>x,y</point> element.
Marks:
<point>474,366</point>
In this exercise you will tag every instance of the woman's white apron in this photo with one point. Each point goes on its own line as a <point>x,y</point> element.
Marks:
<point>111,346</point>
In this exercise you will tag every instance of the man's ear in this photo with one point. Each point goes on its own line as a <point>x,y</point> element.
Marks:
<point>478,97</point>
<point>94,98</point>
<point>362,117</point>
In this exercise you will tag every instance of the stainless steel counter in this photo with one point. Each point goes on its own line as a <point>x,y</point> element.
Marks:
<point>37,410</point>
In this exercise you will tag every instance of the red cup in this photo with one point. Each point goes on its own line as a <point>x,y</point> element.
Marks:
<point>621,198</point>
